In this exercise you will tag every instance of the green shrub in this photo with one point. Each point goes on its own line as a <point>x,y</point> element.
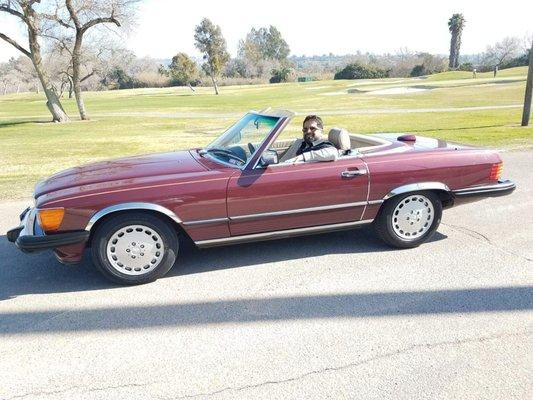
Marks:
<point>521,61</point>
<point>280,75</point>
<point>359,71</point>
<point>418,70</point>
<point>466,67</point>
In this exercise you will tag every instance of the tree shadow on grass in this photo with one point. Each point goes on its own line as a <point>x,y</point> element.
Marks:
<point>8,124</point>
<point>458,129</point>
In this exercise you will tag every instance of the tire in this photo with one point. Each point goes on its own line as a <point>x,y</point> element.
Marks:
<point>134,248</point>
<point>408,220</point>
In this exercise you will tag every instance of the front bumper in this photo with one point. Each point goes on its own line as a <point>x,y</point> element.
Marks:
<point>29,237</point>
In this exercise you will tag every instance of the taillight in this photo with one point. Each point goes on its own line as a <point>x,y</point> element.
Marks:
<point>496,171</point>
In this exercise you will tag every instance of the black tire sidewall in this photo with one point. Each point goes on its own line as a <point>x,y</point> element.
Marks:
<point>385,218</point>
<point>105,231</point>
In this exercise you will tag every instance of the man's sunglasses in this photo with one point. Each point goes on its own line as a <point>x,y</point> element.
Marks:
<point>311,128</point>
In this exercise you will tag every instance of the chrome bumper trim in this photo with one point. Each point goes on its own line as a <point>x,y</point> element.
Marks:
<point>28,222</point>
<point>498,189</point>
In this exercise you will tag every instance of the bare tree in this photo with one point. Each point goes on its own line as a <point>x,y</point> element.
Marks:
<point>7,77</point>
<point>529,90</point>
<point>24,10</point>
<point>501,52</point>
<point>72,22</point>
<point>91,61</point>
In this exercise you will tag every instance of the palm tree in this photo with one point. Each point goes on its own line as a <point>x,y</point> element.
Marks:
<point>455,25</point>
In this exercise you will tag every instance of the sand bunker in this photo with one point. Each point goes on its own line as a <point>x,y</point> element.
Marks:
<point>398,90</point>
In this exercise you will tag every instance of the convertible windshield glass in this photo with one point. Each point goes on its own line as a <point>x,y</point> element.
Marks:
<point>239,142</point>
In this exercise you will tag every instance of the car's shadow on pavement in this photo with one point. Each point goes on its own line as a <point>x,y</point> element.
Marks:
<point>363,240</point>
<point>22,274</point>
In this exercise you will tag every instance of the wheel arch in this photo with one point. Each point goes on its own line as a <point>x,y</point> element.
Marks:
<point>150,208</point>
<point>440,189</point>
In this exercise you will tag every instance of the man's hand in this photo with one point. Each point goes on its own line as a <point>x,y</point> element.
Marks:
<point>294,160</point>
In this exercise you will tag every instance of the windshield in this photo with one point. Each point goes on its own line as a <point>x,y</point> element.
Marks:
<point>239,142</point>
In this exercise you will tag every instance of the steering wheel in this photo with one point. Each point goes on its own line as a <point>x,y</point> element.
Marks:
<point>251,147</point>
<point>229,154</point>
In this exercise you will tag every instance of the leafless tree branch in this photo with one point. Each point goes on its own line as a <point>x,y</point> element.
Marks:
<point>15,44</point>
<point>97,21</point>
<point>9,10</point>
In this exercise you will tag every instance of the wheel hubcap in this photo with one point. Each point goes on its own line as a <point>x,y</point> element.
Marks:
<point>135,250</point>
<point>412,217</point>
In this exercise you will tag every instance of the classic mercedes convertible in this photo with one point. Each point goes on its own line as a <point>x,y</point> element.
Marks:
<point>133,212</point>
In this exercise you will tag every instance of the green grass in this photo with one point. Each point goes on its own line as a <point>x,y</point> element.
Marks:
<point>150,120</point>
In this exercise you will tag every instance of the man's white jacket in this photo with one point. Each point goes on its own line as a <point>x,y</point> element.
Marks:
<point>327,153</point>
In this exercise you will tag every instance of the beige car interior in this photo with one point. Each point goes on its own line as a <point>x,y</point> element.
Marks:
<point>342,140</point>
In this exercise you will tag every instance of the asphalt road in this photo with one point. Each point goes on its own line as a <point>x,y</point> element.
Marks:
<point>327,316</point>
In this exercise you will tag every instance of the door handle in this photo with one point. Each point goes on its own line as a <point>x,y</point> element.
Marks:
<point>353,173</point>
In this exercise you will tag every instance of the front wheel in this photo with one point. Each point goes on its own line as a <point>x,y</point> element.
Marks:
<point>134,248</point>
<point>408,220</point>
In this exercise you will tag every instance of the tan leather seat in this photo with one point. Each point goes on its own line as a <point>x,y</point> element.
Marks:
<point>340,139</point>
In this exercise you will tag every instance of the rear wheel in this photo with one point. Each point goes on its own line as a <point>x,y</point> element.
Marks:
<point>134,248</point>
<point>409,220</point>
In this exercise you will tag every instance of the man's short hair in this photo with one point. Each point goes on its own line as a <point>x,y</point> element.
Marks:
<point>314,118</point>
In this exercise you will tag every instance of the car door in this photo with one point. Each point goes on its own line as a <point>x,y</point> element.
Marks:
<point>281,197</point>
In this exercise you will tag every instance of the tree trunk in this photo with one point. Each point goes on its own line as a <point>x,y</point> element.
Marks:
<point>529,91</point>
<point>453,45</point>
<point>214,84</point>
<point>70,87</point>
<point>76,55</point>
<point>53,103</point>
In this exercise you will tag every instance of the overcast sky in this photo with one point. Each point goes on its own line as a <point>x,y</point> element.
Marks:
<point>165,27</point>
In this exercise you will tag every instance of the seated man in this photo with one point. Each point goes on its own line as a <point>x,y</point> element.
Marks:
<point>313,146</point>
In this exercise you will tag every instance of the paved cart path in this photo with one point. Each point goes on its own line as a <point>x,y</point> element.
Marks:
<point>233,115</point>
<point>328,316</point>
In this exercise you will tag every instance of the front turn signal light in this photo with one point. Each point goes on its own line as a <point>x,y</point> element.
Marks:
<point>50,218</point>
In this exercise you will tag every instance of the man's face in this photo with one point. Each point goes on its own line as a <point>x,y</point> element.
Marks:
<point>311,131</point>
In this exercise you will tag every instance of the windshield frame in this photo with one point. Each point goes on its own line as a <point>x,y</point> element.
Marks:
<point>283,118</point>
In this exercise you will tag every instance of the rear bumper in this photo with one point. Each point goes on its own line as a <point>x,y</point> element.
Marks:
<point>502,188</point>
<point>28,237</point>
<point>476,193</point>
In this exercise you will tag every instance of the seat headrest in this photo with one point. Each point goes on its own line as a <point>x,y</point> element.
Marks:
<point>340,138</point>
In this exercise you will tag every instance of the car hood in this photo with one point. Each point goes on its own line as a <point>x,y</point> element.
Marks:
<point>144,166</point>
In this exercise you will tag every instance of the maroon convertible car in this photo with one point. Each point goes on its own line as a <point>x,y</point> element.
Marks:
<point>133,211</point>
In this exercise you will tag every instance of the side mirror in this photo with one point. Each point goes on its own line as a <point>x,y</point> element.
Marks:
<point>269,157</point>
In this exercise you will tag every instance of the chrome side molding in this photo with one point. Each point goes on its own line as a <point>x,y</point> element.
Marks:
<point>131,206</point>
<point>205,221</point>
<point>256,237</point>
<point>414,187</point>
<point>297,211</point>
<point>248,217</point>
